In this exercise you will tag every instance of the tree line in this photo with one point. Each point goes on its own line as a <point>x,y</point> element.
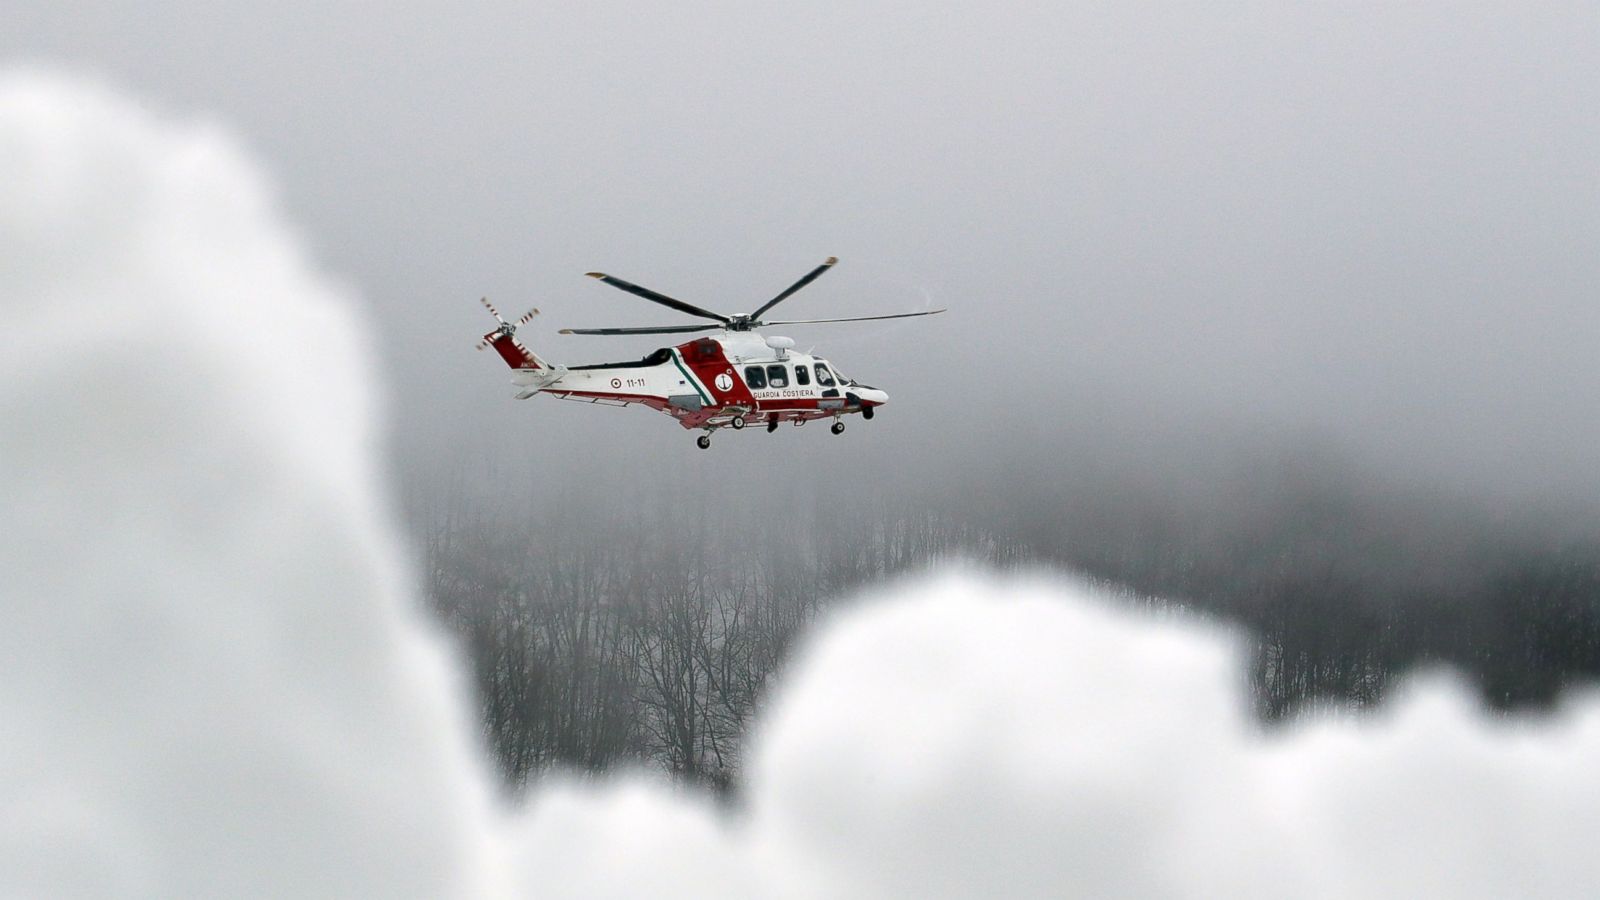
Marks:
<point>618,641</point>
<point>649,635</point>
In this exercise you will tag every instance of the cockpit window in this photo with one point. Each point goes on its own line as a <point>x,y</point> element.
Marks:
<point>755,377</point>
<point>802,375</point>
<point>778,375</point>
<point>824,377</point>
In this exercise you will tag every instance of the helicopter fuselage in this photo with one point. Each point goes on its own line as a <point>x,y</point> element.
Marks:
<point>730,379</point>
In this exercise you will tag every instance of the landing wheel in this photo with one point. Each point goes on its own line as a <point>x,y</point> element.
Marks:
<point>703,441</point>
<point>737,423</point>
<point>772,424</point>
<point>866,412</point>
<point>838,428</point>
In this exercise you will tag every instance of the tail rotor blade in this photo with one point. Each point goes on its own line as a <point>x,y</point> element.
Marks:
<point>506,329</point>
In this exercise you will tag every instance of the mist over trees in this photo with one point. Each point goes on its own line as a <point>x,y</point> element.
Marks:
<point>650,636</point>
<point>645,628</point>
<point>1345,578</point>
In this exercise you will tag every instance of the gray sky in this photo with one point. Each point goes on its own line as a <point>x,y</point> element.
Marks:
<point>219,682</point>
<point>1369,227</point>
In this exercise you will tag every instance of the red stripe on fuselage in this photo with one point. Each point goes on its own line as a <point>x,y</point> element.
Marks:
<point>647,399</point>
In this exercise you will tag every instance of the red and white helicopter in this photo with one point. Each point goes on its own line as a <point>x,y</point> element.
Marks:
<point>726,380</point>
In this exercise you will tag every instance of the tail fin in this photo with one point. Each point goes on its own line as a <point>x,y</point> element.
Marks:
<point>504,341</point>
<point>512,351</point>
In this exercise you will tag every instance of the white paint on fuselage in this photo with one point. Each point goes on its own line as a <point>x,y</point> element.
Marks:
<point>660,381</point>
<point>675,378</point>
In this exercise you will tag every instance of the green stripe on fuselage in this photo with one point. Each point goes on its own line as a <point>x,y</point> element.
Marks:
<point>677,360</point>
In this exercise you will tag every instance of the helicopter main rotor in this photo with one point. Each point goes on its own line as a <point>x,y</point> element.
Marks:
<point>741,322</point>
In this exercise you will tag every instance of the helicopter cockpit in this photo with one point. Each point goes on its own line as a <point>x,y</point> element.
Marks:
<point>795,373</point>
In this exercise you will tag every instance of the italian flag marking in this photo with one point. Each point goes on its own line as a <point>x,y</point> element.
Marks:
<point>705,395</point>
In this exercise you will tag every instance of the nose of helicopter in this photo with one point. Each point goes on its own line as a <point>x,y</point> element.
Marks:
<point>872,396</point>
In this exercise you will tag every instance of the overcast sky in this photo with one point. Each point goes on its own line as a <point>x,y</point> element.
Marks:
<point>1371,227</point>
<point>219,682</point>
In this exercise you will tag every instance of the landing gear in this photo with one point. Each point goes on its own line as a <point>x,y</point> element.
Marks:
<point>703,442</point>
<point>737,423</point>
<point>838,427</point>
<point>772,424</point>
<point>866,412</point>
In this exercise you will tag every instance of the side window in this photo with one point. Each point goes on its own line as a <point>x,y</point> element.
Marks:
<point>778,375</point>
<point>755,377</point>
<point>802,376</point>
<point>824,377</point>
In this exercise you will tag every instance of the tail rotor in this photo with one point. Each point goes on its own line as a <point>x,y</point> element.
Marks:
<point>506,329</point>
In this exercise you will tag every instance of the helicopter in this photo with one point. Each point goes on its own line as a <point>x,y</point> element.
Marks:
<point>731,379</point>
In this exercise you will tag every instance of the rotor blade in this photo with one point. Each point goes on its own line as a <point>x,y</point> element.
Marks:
<point>492,311</point>
<point>931,312</point>
<point>810,277</point>
<point>662,299</point>
<point>659,329</point>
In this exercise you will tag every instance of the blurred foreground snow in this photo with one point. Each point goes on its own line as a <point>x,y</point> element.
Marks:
<point>218,682</point>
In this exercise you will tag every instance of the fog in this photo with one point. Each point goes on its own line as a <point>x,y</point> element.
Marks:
<point>222,680</point>
<point>1233,230</point>
<point>216,683</point>
<point>1278,315</point>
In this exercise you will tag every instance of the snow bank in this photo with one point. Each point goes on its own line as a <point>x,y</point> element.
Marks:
<point>214,680</point>
<point>217,681</point>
